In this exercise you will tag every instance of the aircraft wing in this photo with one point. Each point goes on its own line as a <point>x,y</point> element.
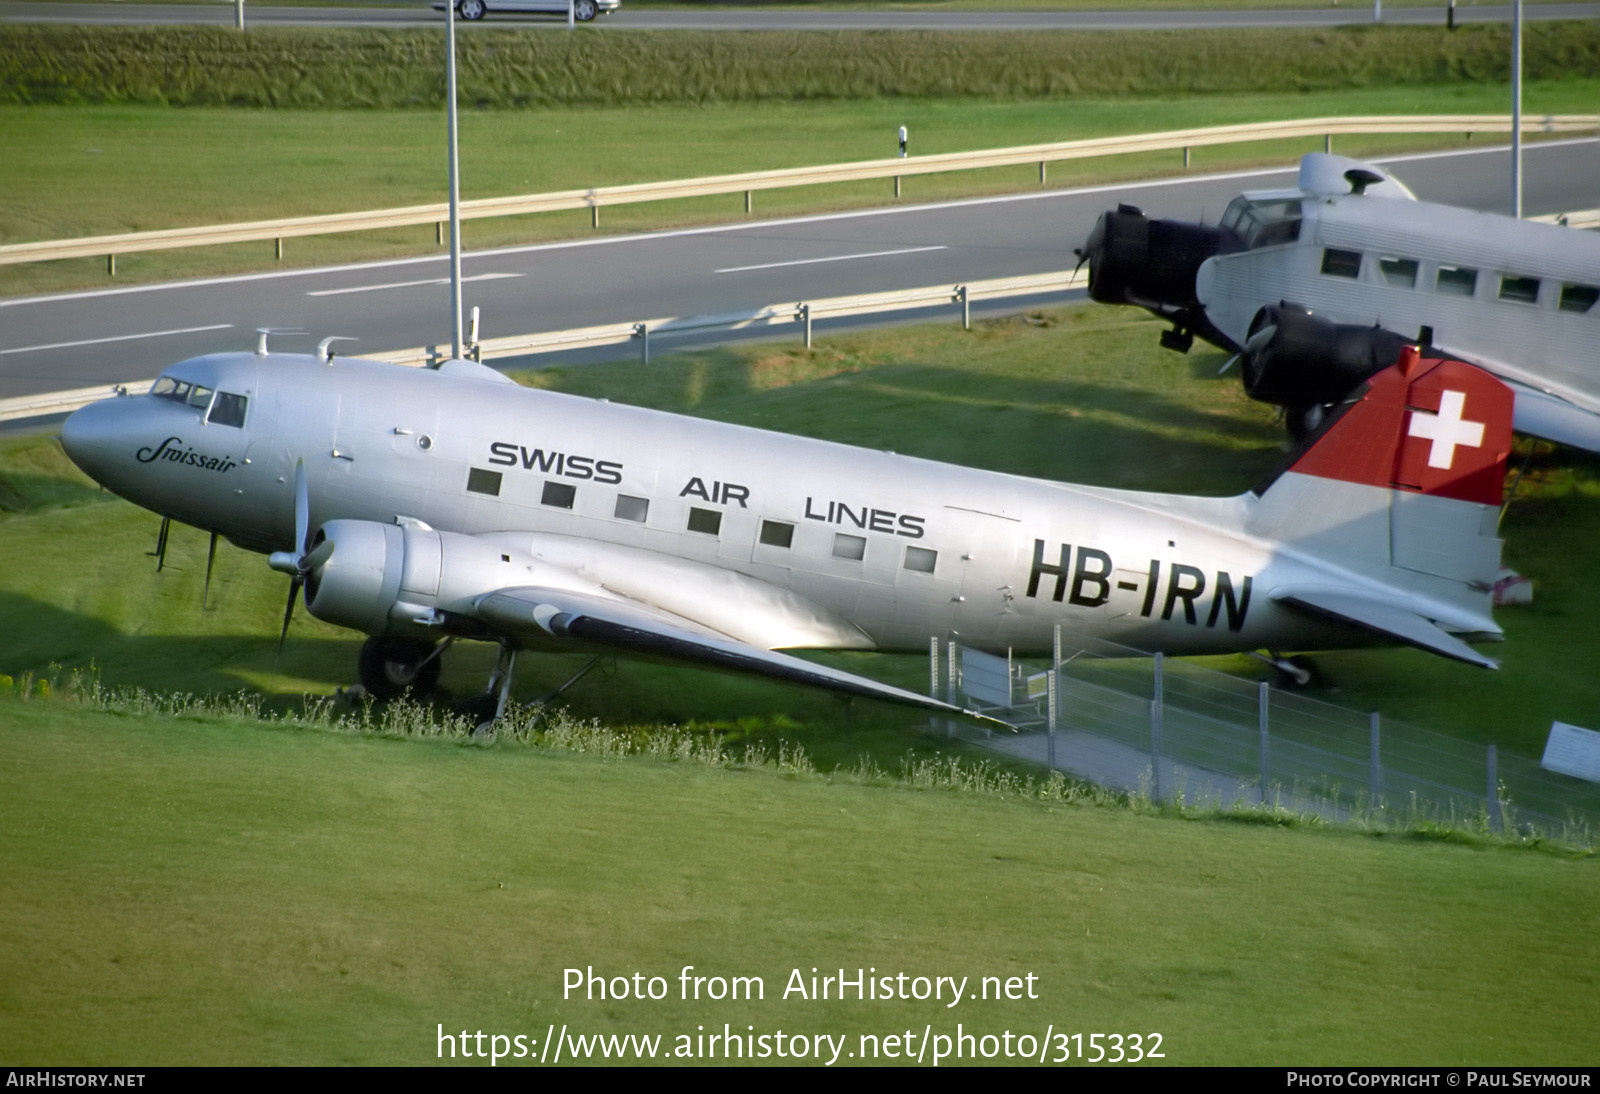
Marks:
<point>638,628</point>
<point>1386,619</point>
<point>1564,416</point>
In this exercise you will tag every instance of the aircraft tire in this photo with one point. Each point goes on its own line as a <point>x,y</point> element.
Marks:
<point>391,665</point>
<point>1302,421</point>
<point>472,10</point>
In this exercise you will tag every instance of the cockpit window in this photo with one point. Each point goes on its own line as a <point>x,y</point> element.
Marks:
<point>228,409</point>
<point>182,391</point>
<point>1264,223</point>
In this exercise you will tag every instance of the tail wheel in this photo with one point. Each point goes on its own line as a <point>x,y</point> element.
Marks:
<point>1297,673</point>
<point>391,665</point>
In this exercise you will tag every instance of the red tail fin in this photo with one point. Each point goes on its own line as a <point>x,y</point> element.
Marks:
<point>1435,426</point>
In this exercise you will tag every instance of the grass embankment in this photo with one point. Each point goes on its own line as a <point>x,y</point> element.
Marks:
<point>1086,397</point>
<point>117,163</point>
<point>210,891</point>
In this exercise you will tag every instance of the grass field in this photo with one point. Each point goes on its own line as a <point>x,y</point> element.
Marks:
<point>241,894</point>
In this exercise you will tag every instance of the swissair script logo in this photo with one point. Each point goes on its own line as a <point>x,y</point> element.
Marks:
<point>1446,429</point>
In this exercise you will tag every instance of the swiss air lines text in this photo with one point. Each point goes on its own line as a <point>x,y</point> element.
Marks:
<point>506,454</point>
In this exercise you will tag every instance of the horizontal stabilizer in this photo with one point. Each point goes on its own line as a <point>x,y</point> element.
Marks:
<point>1555,419</point>
<point>1384,619</point>
<point>633,627</point>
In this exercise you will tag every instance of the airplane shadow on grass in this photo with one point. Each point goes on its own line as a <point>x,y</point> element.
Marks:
<point>53,643</point>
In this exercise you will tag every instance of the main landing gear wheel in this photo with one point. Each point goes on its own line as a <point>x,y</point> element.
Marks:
<point>471,10</point>
<point>390,665</point>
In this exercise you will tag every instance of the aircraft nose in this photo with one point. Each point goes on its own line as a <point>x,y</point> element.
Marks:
<point>94,436</point>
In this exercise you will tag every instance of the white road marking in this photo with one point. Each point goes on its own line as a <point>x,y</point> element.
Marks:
<point>411,284</point>
<point>116,338</point>
<point>833,258</point>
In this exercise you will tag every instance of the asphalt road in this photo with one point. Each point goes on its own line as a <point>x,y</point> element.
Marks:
<point>638,17</point>
<point>130,333</point>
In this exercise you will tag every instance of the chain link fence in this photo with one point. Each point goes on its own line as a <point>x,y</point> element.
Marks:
<point>1174,729</point>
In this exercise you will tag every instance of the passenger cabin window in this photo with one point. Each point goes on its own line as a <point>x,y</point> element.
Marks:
<point>228,409</point>
<point>921,559</point>
<point>631,508</point>
<point>1578,298</point>
<point>1519,290</point>
<point>1399,271</point>
<point>776,533</point>
<point>1264,223</point>
<point>705,521</point>
<point>1457,280</point>
<point>853,548</point>
<point>1337,263</point>
<point>558,495</point>
<point>480,480</point>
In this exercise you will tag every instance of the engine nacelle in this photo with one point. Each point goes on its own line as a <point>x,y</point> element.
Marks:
<point>1304,360</point>
<point>379,578</point>
<point>1151,263</point>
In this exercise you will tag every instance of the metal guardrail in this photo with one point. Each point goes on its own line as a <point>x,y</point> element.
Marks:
<point>611,334</point>
<point>801,314</point>
<point>58,402</point>
<point>595,197</point>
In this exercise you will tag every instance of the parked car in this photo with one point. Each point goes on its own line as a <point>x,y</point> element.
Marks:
<point>583,10</point>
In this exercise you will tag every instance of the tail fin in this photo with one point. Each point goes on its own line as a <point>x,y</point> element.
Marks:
<point>1400,489</point>
<point>1437,427</point>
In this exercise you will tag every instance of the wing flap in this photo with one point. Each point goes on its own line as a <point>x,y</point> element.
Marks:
<point>641,629</point>
<point>1384,619</point>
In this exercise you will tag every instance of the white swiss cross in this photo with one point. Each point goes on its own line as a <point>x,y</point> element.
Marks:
<point>1446,429</point>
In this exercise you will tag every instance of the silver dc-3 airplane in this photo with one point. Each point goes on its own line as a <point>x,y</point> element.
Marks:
<point>419,506</point>
<point>1318,287</point>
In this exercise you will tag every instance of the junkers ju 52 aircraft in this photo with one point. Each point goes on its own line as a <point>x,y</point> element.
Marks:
<point>418,506</point>
<point>1318,287</point>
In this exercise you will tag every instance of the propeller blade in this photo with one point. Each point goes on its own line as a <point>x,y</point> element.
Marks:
<point>317,557</point>
<point>1229,363</point>
<point>302,508</point>
<point>211,560</point>
<point>1260,338</point>
<point>288,610</point>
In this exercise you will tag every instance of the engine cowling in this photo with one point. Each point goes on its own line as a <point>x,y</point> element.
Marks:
<point>385,578</point>
<point>1294,358</point>
<point>1150,263</point>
